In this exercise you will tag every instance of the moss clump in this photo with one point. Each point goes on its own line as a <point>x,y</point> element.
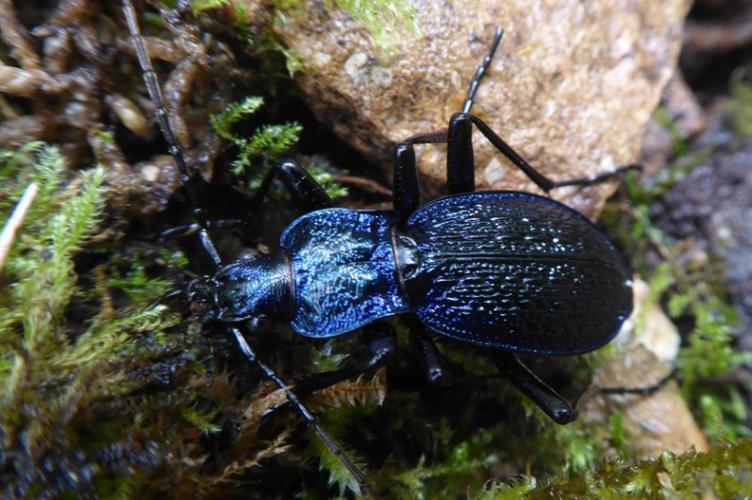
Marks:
<point>102,394</point>
<point>726,471</point>
<point>265,146</point>
<point>54,371</point>
<point>386,20</point>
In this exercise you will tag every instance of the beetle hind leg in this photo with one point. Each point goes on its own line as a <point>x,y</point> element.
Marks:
<point>540,180</point>
<point>460,166</point>
<point>645,390</point>
<point>540,393</point>
<point>599,178</point>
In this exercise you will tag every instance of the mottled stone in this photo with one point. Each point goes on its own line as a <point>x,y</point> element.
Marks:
<point>571,88</point>
<point>710,210</point>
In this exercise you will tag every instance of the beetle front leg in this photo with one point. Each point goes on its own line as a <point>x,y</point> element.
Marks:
<point>540,393</point>
<point>307,194</point>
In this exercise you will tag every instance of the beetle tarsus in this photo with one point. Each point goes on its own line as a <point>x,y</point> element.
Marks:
<point>540,393</point>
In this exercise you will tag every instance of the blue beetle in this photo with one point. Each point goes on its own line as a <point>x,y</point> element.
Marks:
<point>507,270</point>
<point>501,269</point>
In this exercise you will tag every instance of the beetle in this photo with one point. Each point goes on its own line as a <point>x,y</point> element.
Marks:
<point>508,270</point>
<point>501,269</point>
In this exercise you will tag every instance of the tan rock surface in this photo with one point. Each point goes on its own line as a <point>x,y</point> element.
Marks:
<point>660,421</point>
<point>572,87</point>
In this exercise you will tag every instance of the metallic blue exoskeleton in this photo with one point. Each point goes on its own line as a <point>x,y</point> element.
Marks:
<point>508,270</point>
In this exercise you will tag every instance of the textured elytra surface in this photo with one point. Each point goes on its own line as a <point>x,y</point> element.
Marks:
<point>343,270</point>
<point>519,272</point>
<point>572,86</point>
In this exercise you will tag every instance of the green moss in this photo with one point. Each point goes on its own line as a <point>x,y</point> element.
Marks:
<point>388,21</point>
<point>336,471</point>
<point>266,145</point>
<point>53,371</point>
<point>725,470</point>
<point>678,142</point>
<point>740,104</point>
<point>78,409</point>
<point>199,6</point>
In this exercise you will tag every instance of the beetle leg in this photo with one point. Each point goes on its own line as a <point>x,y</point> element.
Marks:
<point>540,393</point>
<point>598,178</point>
<point>540,180</point>
<point>307,194</point>
<point>432,359</point>
<point>311,420</point>
<point>642,390</point>
<point>406,193</point>
<point>380,346</point>
<point>460,171</point>
<point>460,159</point>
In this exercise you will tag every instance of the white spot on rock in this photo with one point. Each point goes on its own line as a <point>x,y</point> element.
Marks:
<point>354,63</point>
<point>494,173</point>
<point>321,59</point>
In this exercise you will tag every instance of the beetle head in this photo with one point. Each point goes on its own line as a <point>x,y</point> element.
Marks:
<point>253,288</point>
<point>201,296</point>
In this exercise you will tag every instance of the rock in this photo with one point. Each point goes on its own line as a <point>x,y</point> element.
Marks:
<point>709,209</point>
<point>659,421</point>
<point>571,88</point>
<point>687,117</point>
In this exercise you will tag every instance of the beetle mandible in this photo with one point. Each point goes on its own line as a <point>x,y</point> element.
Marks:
<point>508,270</point>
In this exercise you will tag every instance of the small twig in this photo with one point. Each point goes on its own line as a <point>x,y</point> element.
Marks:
<point>363,183</point>
<point>15,221</point>
<point>16,37</point>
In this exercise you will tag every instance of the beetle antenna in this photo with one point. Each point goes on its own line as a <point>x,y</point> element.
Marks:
<point>155,93</point>
<point>152,86</point>
<point>473,88</point>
